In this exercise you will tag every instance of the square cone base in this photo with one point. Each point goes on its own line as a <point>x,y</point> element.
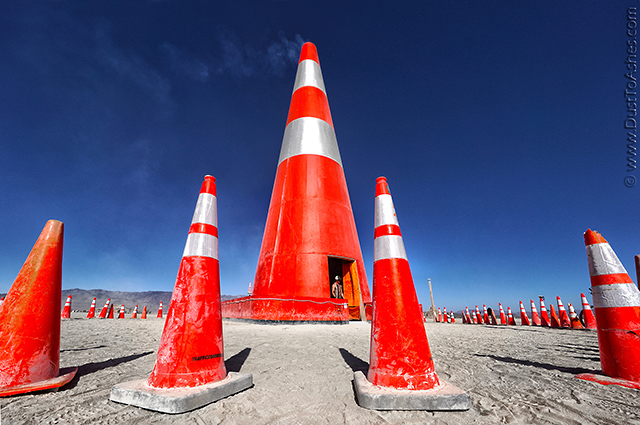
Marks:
<point>179,400</point>
<point>445,397</point>
<point>607,380</point>
<point>65,376</point>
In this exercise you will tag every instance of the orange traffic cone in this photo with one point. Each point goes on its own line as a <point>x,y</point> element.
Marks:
<point>110,316</point>
<point>575,321</point>
<point>564,317</point>
<point>535,319</point>
<point>475,317</point>
<point>588,317</point>
<point>30,338</point>
<point>66,311</point>
<point>555,320</point>
<point>159,316</point>
<point>524,319</point>
<point>190,370</point>
<point>485,316</point>
<point>121,314</point>
<point>617,304</point>
<point>439,315</point>
<point>445,315</point>
<point>478,315</point>
<point>400,358</point>
<point>544,315</point>
<point>467,315</point>
<point>105,310</point>
<point>510,320</point>
<point>134,315</point>
<point>144,313</point>
<point>503,319</point>
<point>92,309</point>
<point>453,318</point>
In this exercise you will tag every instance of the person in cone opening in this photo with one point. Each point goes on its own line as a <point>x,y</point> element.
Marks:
<point>336,288</point>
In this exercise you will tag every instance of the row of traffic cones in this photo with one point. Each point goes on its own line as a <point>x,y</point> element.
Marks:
<point>107,310</point>
<point>561,320</point>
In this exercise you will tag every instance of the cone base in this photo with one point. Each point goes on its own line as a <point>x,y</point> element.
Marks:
<point>179,400</point>
<point>607,380</point>
<point>65,376</point>
<point>445,397</point>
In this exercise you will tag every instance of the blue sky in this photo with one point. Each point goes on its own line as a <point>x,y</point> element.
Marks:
<point>499,126</point>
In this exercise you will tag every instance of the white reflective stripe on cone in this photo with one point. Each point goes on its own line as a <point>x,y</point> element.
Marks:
<point>388,246</point>
<point>616,295</point>
<point>206,210</point>
<point>309,136</point>
<point>201,245</point>
<point>385,212</point>
<point>309,74</point>
<point>602,260</point>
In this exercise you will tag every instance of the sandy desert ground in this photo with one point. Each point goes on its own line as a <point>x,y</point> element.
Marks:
<point>303,375</point>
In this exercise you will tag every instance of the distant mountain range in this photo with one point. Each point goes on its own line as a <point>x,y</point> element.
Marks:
<point>81,299</point>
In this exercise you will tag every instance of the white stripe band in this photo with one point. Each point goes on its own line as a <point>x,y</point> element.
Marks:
<point>206,210</point>
<point>615,295</point>
<point>308,135</point>
<point>201,245</point>
<point>388,246</point>
<point>384,211</point>
<point>602,260</point>
<point>309,74</point>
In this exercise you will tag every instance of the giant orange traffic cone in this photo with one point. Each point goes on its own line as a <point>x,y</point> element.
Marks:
<point>617,304</point>
<point>159,316</point>
<point>310,236</point>
<point>110,315</point>
<point>445,314</point>
<point>92,310</point>
<point>544,315</point>
<point>587,314</point>
<point>439,315</point>
<point>144,313</point>
<point>121,314</point>
<point>105,310</point>
<point>30,337</point>
<point>535,319</point>
<point>478,315</point>
<point>524,319</point>
<point>400,358</point>
<point>510,320</point>
<point>485,316</point>
<point>66,311</point>
<point>134,315</point>
<point>575,321</point>
<point>190,370</point>
<point>564,317</point>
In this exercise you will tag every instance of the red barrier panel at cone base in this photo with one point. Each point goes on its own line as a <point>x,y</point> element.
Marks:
<point>535,319</point>
<point>555,321</point>
<point>524,319</point>
<point>616,301</point>
<point>191,352</point>
<point>575,321</point>
<point>110,315</point>
<point>503,318</point>
<point>400,358</point>
<point>66,311</point>
<point>310,235</point>
<point>562,314</point>
<point>544,315</point>
<point>144,313</point>
<point>105,310</point>
<point>510,320</point>
<point>134,315</point>
<point>92,310</point>
<point>589,318</point>
<point>30,337</point>
<point>159,316</point>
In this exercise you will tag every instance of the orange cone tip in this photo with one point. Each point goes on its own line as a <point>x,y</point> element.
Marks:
<point>30,338</point>
<point>616,301</point>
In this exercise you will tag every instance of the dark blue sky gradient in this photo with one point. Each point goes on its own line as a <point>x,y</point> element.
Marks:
<point>498,125</point>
